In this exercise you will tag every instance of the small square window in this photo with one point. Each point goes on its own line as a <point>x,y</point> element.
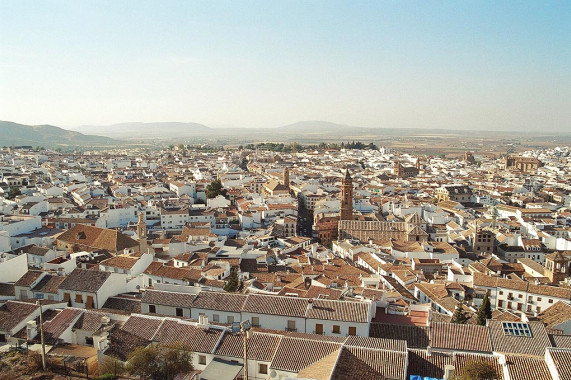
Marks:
<point>202,359</point>
<point>152,309</point>
<point>336,329</point>
<point>179,312</point>
<point>263,369</point>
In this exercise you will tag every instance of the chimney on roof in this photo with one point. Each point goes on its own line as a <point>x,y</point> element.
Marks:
<point>448,372</point>
<point>310,303</point>
<point>31,330</point>
<point>203,322</point>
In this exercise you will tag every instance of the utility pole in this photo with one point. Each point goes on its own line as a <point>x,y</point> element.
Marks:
<point>246,330</point>
<point>245,335</point>
<point>39,303</point>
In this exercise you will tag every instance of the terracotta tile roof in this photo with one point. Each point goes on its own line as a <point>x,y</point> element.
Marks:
<point>458,337</point>
<point>562,360</point>
<point>415,336</point>
<point>219,301</point>
<point>521,367</point>
<point>325,293</point>
<point>433,291</point>
<point>513,284</point>
<point>276,305</point>
<point>14,312</point>
<point>95,237</point>
<point>120,261</point>
<point>321,369</point>
<point>288,356</point>
<point>84,280</point>
<point>28,278</point>
<point>357,363</point>
<point>261,346</point>
<point>193,338</point>
<point>130,305</point>
<point>556,314</point>
<point>376,343</point>
<point>142,326</point>
<point>560,341</point>
<point>534,345</point>
<point>123,343</point>
<point>160,270</point>
<point>90,320</point>
<point>338,311</point>
<point>551,291</point>
<point>158,297</point>
<point>61,322</point>
<point>48,284</point>
<point>7,289</point>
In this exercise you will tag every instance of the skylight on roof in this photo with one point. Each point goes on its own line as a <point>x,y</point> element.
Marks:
<point>516,329</point>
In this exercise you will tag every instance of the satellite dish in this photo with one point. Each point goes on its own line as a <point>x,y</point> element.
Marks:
<point>273,374</point>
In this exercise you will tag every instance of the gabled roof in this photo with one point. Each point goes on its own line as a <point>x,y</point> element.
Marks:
<point>459,337</point>
<point>357,363</point>
<point>84,280</point>
<point>14,312</point>
<point>193,338</point>
<point>295,354</point>
<point>95,237</point>
<point>276,305</point>
<point>219,301</point>
<point>159,297</point>
<point>527,345</point>
<point>261,346</point>
<point>339,311</point>
<point>556,314</point>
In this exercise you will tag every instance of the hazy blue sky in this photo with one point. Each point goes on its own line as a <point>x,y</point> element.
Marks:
<point>433,64</point>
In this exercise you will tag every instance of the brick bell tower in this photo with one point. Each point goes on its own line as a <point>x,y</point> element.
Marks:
<point>347,197</point>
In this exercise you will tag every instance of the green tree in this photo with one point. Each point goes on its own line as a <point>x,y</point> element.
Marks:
<point>459,315</point>
<point>484,311</point>
<point>477,370</point>
<point>215,189</point>
<point>160,361</point>
<point>14,192</point>
<point>232,284</point>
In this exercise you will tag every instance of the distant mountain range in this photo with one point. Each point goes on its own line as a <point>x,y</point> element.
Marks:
<point>147,130</point>
<point>20,134</point>
<point>314,129</point>
<point>304,132</point>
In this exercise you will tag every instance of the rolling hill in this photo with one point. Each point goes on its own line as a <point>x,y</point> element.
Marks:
<point>20,134</point>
